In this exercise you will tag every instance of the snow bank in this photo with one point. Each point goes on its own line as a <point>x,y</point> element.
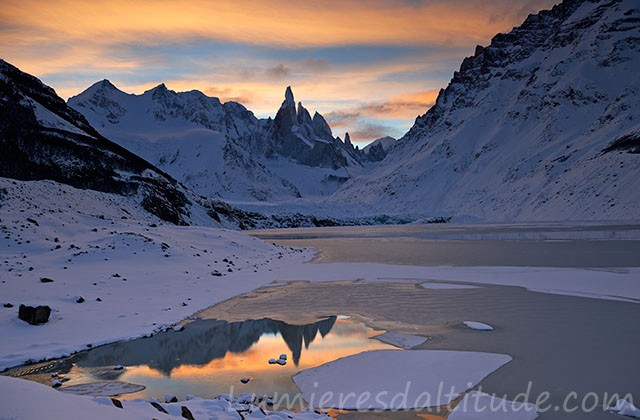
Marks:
<point>480,406</point>
<point>405,341</point>
<point>396,379</point>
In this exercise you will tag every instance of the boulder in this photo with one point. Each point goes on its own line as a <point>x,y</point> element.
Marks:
<point>186,413</point>
<point>34,315</point>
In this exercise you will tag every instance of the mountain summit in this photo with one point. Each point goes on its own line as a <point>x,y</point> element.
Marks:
<point>309,141</point>
<point>541,124</point>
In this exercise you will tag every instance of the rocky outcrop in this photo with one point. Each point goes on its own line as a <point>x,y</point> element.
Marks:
<point>308,140</point>
<point>34,315</point>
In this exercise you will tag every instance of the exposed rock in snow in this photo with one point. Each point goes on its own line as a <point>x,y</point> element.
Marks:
<point>34,315</point>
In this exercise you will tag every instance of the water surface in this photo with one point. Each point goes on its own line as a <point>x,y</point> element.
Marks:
<point>210,357</point>
<point>526,245</point>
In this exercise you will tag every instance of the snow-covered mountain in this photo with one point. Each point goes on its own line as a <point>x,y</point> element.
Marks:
<point>223,150</point>
<point>541,124</point>
<point>42,138</point>
<point>379,148</point>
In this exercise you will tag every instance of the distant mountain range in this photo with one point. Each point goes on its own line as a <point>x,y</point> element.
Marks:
<point>42,138</point>
<point>223,150</point>
<point>542,124</point>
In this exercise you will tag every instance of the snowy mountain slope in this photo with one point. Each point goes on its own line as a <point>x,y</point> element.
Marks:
<point>42,138</point>
<point>541,124</point>
<point>223,150</point>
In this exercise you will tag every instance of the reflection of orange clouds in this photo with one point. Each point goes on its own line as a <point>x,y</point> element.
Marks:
<point>143,370</point>
<point>341,342</point>
<point>279,22</point>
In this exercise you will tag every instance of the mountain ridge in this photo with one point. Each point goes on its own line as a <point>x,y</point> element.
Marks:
<point>223,150</point>
<point>520,132</point>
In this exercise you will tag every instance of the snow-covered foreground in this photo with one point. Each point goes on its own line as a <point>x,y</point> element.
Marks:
<point>18,398</point>
<point>137,275</point>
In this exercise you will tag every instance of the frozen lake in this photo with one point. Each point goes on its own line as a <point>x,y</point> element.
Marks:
<point>530,245</point>
<point>559,344</point>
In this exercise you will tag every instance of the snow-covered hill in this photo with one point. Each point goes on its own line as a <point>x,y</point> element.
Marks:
<point>541,124</point>
<point>223,150</point>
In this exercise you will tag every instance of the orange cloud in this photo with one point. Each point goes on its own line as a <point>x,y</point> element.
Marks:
<point>73,43</point>
<point>406,106</point>
<point>280,22</point>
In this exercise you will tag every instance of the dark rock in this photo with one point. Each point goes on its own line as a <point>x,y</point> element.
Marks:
<point>45,280</point>
<point>80,299</point>
<point>8,305</point>
<point>30,220</point>
<point>158,407</point>
<point>186,413</point>
<point>34,315</point>
<point>116,402</point>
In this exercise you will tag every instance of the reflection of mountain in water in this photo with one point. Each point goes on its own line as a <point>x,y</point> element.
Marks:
<point>203,341</point>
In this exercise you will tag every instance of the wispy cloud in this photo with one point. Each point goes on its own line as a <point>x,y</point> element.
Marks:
<point>351,59</point>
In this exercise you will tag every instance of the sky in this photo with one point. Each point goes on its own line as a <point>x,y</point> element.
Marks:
<point>369,66</point>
